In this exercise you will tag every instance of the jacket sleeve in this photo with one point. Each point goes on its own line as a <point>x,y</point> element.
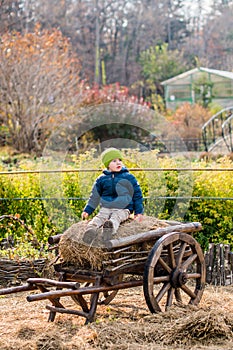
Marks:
<point>94,199</point>
<point>137,197</point>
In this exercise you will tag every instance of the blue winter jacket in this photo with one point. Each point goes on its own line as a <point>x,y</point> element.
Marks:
<point>118,190</point>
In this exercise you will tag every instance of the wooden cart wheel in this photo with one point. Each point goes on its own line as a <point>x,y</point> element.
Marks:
<point>174,272</point>
<point>80,300</point>
<point>107,297</point>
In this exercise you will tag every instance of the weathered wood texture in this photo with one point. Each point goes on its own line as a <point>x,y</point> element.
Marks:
<point>13,272</point>
<point>219,265</point>
<point>153,234</point>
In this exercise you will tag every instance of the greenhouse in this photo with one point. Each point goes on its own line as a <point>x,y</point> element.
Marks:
<point>199,85</point>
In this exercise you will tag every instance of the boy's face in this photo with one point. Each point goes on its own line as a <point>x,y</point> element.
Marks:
<point>115,165</point>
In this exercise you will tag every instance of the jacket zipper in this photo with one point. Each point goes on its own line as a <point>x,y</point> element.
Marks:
<point>113,184</point>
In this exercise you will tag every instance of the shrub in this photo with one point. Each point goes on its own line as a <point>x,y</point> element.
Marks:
<point>215,215</point>
<point>189,120</point>
<point>167,195</point>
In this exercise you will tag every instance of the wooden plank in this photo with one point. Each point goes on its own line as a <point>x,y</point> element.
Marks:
<point>222,265</point>
<point>210,264</point>
<point>228,272</point>
<point>230,262</point>
<point>217,265</point>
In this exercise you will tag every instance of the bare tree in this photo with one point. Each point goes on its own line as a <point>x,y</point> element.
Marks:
<point>11,14</point>
<point>212,44</point>
<point>109,34</point>
<point>219,41</point>
<point>39,87</point>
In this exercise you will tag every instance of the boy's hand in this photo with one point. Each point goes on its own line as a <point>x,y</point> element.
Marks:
<point>84,215</point>
<point>138,217</point>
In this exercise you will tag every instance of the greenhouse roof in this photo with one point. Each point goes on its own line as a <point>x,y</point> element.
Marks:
<point>221,73</point>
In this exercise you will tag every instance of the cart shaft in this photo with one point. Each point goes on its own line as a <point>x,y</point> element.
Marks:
<point>82,291</point>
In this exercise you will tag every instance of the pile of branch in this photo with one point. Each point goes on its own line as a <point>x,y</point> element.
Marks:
<point>13,272</point>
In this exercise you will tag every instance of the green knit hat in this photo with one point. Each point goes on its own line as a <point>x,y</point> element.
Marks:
<point>109,154</point>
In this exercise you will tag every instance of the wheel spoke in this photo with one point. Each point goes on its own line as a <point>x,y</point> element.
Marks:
<point>193,275</point>
<point>188,291</point>
<point>178,295</point>
<point>188,262</point>
<point>163,291</point>
<point>105,294</point>
<point>171,255</point>
<point>161,279</point>
<point>170,295</point>
<point>165,265</point>
<point>180,254</point>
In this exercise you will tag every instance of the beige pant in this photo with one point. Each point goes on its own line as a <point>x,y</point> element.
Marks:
<point>115,215</point>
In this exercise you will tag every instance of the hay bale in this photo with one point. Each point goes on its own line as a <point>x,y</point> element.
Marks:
<point>73,250</point>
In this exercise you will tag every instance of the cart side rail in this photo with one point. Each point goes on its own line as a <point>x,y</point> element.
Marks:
<point>153,235</point>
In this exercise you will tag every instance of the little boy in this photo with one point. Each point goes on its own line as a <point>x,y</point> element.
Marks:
<point>118,193</point>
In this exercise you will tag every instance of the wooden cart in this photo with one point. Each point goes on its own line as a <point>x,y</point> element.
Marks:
<point>171,272</point>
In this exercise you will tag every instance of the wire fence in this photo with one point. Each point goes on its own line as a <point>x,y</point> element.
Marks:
<point>25,172</point>
<point>145,198</point>
<point>21,172</point>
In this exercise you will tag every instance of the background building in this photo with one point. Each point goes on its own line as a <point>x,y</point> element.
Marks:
<point>200,85</point>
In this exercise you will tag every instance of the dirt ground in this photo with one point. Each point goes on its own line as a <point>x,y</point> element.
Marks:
<point>124,324</point>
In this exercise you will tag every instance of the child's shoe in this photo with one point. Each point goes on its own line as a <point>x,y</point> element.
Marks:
<point>89,235</point>
<point>107,230</point>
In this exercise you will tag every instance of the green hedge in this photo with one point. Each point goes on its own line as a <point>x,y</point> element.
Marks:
<point>55,212</point>
<point>215,215</point>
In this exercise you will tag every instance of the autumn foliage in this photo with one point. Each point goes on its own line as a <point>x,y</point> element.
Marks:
<point>189,119</point>
<point>111,93</point>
